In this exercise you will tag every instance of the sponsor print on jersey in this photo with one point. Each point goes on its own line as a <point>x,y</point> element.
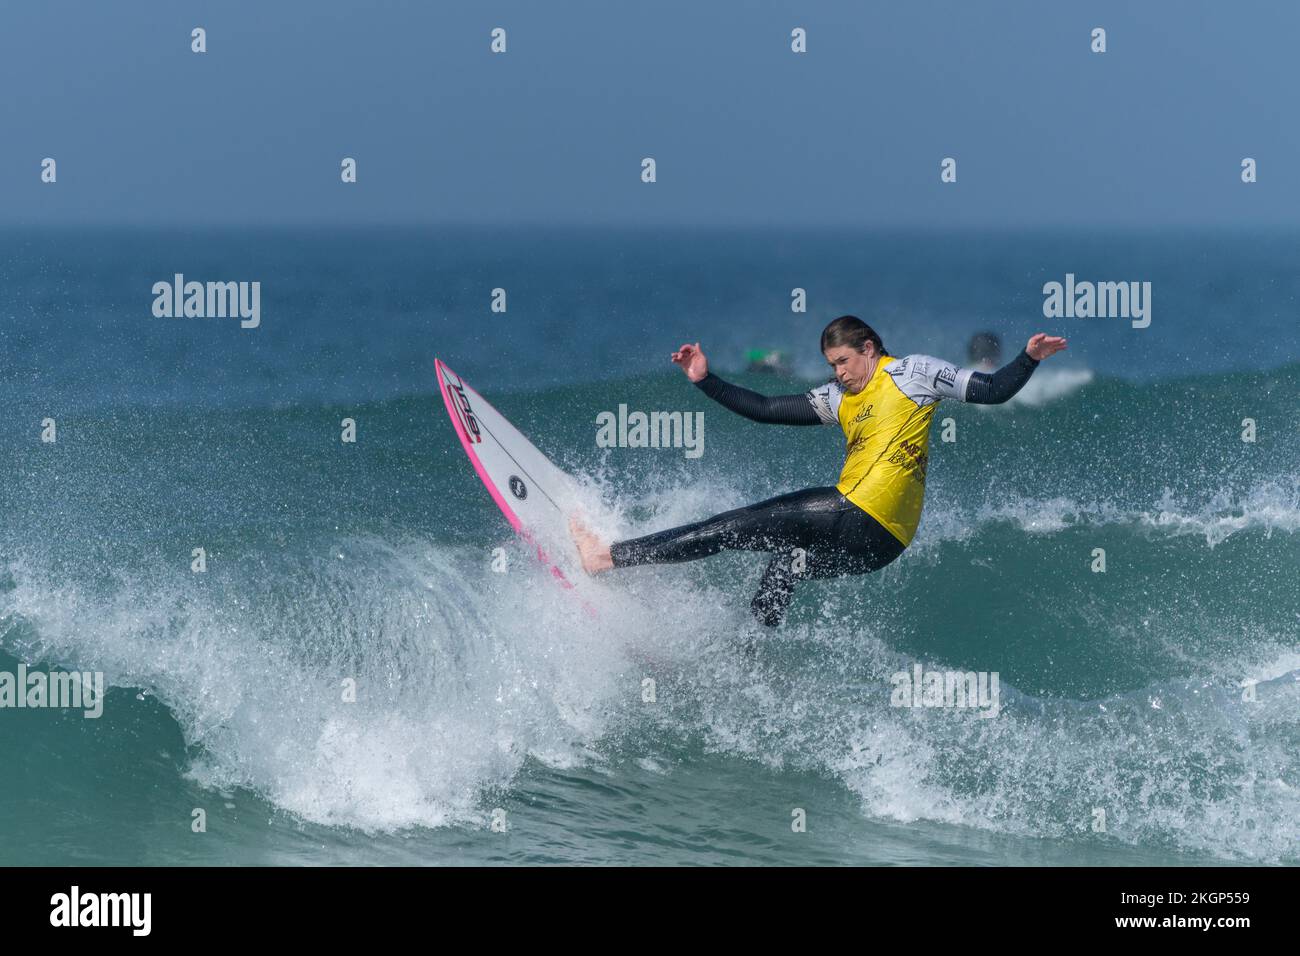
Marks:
<point>825,400</point>
<point>909,456</point>
<point>925,379</point>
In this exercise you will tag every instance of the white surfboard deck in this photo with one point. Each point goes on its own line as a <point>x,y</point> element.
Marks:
<point>536,497</point>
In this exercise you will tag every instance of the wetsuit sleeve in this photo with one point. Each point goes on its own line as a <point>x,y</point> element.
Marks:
<point>769,409</point>
<point>995,388</point>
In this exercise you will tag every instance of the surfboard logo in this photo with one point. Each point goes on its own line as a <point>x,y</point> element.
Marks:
<point>466,414</point>
<point>518,488</point>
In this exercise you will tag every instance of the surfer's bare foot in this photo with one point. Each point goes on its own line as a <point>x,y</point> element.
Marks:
<point>595,555</point>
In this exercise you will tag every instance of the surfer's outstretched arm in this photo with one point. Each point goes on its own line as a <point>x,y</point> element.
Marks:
<point>769,409</point>
<point>994,388</point>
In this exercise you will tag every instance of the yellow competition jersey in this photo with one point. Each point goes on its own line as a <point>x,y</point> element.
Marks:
<point>887,435</point>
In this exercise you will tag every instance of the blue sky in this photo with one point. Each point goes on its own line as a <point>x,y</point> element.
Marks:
<point>1045,133</point>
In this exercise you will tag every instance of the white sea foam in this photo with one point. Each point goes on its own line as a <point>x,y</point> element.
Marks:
<point>464,675</point>
<point>1269,506</point>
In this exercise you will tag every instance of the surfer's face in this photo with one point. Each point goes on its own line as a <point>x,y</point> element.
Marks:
<point>850,366</point>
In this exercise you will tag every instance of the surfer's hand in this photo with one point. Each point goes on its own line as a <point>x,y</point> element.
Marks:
<point>1042,345</point>
<point>692,361</point>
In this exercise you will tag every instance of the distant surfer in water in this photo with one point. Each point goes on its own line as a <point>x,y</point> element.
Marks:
<point>884,405</point>
<point>984,352</point>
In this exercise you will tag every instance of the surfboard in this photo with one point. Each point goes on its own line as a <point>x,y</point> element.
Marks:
<point>535,495</point>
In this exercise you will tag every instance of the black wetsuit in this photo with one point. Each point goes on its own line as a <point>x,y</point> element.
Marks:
<point>814,533</point>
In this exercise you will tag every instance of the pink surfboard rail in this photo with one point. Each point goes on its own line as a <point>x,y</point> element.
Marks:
<point>444,386</point>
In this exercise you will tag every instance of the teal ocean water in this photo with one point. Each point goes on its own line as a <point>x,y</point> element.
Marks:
<point>480,691</point>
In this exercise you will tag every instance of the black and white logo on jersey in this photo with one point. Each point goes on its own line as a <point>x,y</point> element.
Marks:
<point>926,379</point>
<point>826,400</point>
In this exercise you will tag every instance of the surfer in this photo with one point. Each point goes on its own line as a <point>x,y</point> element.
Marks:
<point>884,405</point>
<point>983,352</point>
